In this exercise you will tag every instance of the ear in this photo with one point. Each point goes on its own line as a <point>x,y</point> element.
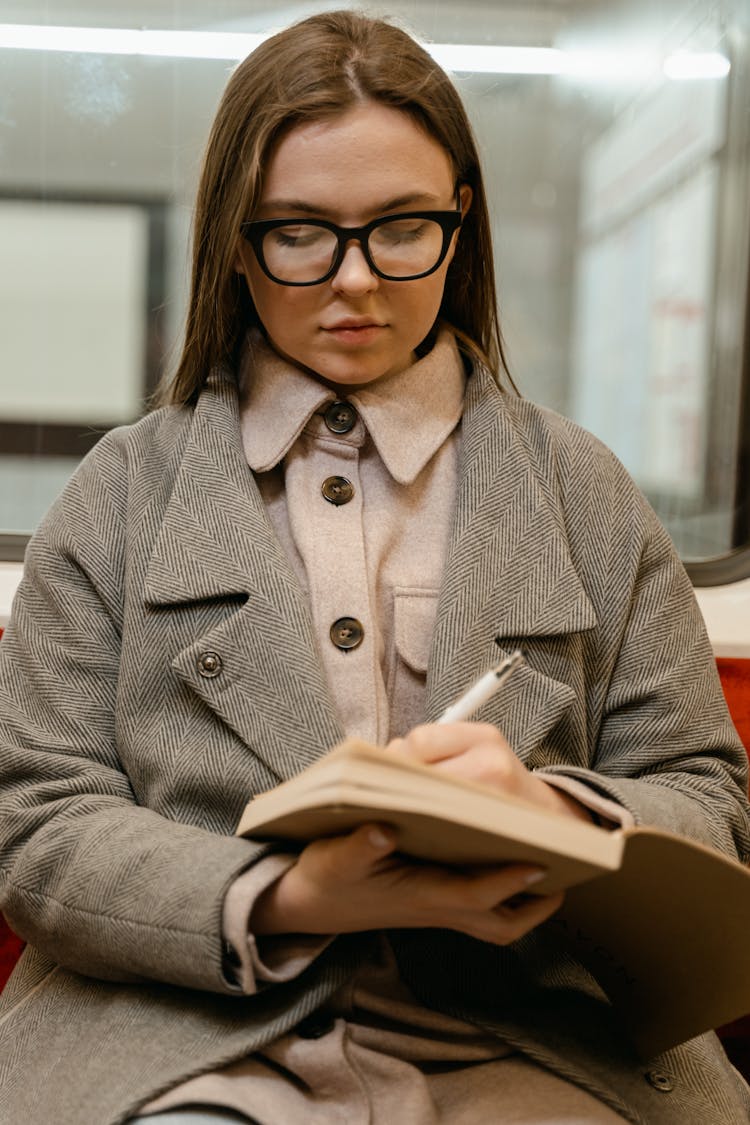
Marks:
<point>465,195</point>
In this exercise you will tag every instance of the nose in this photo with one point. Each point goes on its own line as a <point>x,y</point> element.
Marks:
<point>354,275</point>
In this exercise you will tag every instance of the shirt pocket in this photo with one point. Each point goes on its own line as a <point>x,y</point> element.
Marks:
<point>414,612</point>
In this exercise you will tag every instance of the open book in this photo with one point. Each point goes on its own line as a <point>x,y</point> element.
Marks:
<point>662,922</point>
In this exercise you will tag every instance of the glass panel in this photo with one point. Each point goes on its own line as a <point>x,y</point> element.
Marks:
<point>618,169</point>
<point>79,344</point>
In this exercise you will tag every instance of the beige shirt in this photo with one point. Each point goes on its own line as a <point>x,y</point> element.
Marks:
<point>377,558</point>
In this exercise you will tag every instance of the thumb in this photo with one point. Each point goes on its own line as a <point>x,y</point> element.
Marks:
<point>366,845</point>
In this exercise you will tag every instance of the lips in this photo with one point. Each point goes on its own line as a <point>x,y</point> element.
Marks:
<point>355,332</point>
<point>352,323</point>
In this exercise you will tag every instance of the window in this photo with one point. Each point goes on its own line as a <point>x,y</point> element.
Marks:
<point>616,139</point>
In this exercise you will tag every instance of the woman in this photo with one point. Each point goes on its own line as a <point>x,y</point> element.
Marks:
<point>321,533</point>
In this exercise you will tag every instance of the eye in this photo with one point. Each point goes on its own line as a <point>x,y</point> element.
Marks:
<point>400,232</point>
<point>298,237</point>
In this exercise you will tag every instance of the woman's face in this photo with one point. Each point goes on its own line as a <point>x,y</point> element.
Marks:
<point>369,162</point>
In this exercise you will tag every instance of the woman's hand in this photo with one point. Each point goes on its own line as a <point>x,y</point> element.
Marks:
<point>478,752</point>
<point>356,882</point>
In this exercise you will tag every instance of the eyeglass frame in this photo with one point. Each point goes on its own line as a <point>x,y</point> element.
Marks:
<point>255,230</point>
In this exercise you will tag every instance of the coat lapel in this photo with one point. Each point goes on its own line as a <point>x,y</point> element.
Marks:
<point>509,573</point>
<point>216,543</point>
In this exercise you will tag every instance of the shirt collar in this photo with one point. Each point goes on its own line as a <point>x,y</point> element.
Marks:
<point>424,402</point>
<point>277,400</point>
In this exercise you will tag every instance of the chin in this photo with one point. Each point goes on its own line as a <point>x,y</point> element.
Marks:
<point>349,374</point>
<point>346,381</point>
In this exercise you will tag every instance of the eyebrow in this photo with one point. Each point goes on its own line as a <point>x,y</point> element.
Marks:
<point>306,208</point>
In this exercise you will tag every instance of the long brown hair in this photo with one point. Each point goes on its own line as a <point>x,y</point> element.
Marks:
<point>319,68</point>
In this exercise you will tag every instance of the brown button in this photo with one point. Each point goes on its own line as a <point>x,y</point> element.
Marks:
<point>337,490</point>
<point>660,1081</point>
<point>340,417</point>
<point>347,633</point>
<point>209,665</point>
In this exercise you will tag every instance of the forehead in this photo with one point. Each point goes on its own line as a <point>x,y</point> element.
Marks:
<point>370,151</point>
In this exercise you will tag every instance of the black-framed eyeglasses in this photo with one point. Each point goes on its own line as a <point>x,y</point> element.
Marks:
<point>401,247</point>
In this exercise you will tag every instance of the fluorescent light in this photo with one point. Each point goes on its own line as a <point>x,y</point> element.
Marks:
<point>485,59</point>
<point>610,66</point>
<point>686,65</point>
<point>129,41</point>
<point>462,58</point>
<point>481,59</point>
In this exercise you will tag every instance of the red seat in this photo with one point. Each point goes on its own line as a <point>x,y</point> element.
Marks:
<point>735,680</point>
<point>10,950</point>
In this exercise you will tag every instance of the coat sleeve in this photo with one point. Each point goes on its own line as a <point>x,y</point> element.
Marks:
<point>661,740</point>
<point>102,886</point>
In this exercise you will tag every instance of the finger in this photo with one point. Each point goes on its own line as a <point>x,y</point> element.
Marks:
<point>507,923</point>
<point>495,905</point>
<point>530,912</point>
<point>352,857</point>
<point>486,764</point>
<point>433,742</point>
<point>449,894</point>
<point>490,888</point>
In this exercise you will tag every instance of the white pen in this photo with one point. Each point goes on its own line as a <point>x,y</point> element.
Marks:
<point>482,690</point>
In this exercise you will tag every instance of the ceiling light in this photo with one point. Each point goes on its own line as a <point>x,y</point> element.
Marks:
<point>461,58</point>
<point>130,41</point>
<point>686,65</point>
<point>484,59</point>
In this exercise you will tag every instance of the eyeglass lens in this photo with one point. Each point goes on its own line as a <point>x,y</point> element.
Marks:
<point>301,252</point>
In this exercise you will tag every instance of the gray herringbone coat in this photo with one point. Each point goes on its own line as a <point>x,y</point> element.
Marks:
<point>123,769</point>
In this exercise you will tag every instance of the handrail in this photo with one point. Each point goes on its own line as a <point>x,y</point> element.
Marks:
<point>13,547</point>
<point>720,571</point>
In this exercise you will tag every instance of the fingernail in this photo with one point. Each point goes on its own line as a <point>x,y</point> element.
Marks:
<point>533,877</point>
<point>378,838</point>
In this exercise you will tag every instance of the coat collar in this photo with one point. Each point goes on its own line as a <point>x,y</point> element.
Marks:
<point>509,573</point>
<point>215,539</point>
